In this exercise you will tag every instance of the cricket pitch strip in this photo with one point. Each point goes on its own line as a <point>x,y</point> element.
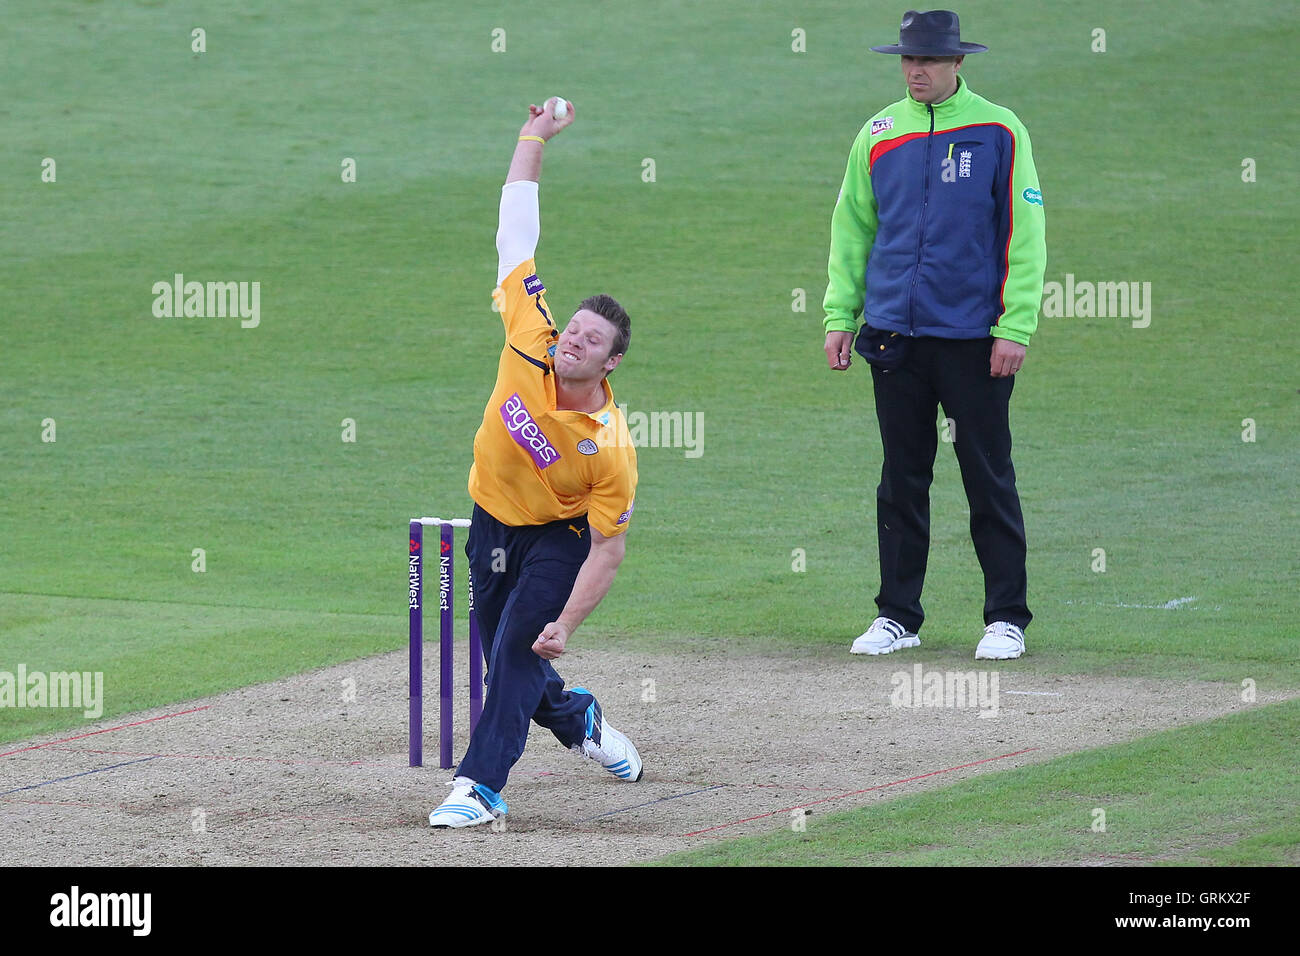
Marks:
<point>312,770</point>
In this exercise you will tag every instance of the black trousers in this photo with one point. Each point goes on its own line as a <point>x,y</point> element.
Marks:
<point>953,373</point>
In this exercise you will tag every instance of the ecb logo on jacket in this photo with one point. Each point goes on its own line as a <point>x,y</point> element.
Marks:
<point>953,168</point>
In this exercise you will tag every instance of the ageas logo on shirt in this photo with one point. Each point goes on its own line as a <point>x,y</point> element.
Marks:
<point>523,429</point>
<point>880,125</point>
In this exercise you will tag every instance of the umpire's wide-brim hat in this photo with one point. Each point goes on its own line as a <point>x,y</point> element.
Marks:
<point>933,33</point>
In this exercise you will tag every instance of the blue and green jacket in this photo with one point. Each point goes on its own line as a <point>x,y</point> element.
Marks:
<point>939,226</point>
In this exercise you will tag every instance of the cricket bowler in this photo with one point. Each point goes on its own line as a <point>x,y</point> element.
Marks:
<point>553,482</point>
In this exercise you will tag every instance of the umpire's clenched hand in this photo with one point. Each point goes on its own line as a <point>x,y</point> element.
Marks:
<point>839,346</point>
<point>1006,358</point>
<point>550,643</point>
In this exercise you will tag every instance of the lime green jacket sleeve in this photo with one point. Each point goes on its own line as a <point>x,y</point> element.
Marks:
<point>1022,295</point>
<point>853,230</point>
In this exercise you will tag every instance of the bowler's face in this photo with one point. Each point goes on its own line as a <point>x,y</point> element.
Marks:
<point>583,351</point>
<point>931,79</point>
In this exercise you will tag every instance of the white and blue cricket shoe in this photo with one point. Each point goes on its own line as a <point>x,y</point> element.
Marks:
<point>468,804</point>
<point>607,746</point>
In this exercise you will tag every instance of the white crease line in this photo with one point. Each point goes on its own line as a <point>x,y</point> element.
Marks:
<point>1173,605</point>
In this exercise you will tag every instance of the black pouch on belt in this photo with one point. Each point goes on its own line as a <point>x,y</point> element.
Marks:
<point>885,350</point>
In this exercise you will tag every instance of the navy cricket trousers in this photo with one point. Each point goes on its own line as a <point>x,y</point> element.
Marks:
<point>522,579</point>
<point>953,373</point>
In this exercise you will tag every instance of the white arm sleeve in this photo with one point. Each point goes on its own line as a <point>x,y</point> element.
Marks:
<point>519,227</point>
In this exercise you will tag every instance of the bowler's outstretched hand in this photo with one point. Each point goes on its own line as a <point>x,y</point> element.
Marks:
<point>542,122</point>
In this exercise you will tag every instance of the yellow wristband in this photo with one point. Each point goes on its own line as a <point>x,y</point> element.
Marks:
<point>532,139</point>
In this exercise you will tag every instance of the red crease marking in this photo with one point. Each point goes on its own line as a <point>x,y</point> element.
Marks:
<point>248,815</point>
<point>284,760</point>
<point>106,730</point>
<point>127,807</point>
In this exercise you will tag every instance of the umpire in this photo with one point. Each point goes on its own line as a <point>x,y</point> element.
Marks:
<point>937,242</point>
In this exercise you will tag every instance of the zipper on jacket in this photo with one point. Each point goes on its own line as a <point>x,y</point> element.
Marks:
<point>920,232</point>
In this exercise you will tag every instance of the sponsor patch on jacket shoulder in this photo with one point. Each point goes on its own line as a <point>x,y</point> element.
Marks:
<point>587,447</point>
<point>880,125</point>
<point>533,285</point>
<point>1032,195</point>
<point>622,519</point>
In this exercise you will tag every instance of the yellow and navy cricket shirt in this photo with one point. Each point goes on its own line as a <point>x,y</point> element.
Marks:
<point>533,464</point>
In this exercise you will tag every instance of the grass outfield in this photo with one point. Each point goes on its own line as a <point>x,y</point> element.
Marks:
<point>1219,793</point>
<point>176,434</point>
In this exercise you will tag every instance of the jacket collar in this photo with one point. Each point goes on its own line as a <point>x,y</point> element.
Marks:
<point>952,105</point>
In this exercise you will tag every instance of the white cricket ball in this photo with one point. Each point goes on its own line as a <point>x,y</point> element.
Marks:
<point>561,109</point>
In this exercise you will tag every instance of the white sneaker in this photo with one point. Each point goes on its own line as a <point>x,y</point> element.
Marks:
<point>1001,642</point>
<point>607,746</point>
<point>884,637</point>
<point>468,804</point>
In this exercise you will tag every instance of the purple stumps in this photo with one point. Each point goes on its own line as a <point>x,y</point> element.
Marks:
<point>446,646</point>
<point>445,622</point>
<point>415,589</point>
